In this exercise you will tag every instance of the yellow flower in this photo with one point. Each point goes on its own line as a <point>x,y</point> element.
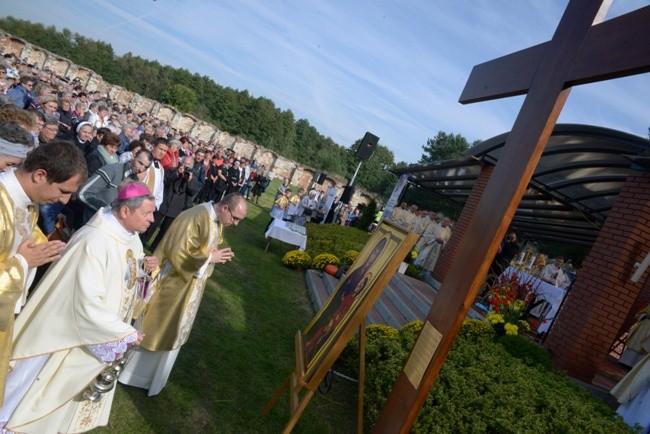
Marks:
<point>511,329</point>
<point>494,318</point>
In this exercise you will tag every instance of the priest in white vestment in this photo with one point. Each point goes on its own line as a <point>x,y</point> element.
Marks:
<point>78,321</point>
<point>633,393</point>
<point>187,255</point>
<point>428,256</point>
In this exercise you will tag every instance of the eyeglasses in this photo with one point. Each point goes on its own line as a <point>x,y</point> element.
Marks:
<point>234,219</point>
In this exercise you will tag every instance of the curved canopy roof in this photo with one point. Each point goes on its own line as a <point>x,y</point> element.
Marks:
<point>572,190</point>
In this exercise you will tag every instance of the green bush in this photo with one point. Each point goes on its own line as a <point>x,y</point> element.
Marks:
<point>324,259</point>
<point>409,332</point>
<point>334,239</point>
<point>527,351</point>
<point>380,331</point>
<point>475,328</point>
<point>487,384</point>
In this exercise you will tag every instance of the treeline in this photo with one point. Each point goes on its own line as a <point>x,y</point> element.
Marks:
<point>235,111</point>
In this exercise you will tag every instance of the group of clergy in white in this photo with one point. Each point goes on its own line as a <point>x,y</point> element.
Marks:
<point>633,391</point>
<point>434,230</point>
<point>102,300</point>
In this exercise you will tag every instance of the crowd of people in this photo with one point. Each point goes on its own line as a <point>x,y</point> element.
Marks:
<point>84,185</point>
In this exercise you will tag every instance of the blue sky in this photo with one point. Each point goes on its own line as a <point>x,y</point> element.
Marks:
<point>394,68</point>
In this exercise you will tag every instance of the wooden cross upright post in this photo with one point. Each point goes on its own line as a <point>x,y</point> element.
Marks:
<point>579,52</point>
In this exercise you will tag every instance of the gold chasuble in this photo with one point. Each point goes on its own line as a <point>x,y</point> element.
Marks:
<point>12,276</point>
<point>183,254</point>
<point>151,177</point>
<point>85,298</point>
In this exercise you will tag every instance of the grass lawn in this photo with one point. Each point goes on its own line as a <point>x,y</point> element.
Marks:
<point>239,352</point>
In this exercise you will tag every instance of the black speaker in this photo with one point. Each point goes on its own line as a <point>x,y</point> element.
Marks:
<point>348,192</point>
<point>321,178</point>
<point>367,146</point>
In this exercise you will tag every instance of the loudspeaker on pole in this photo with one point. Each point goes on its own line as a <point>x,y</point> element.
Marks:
<point>367,146</point>
<point>348,192</point>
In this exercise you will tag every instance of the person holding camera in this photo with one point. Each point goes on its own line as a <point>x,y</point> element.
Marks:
<point>180,184</point>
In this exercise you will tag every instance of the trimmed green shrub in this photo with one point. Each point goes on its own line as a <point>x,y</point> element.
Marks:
<point>409,332</point>
<point>475,328</point>
<point>380,331</point>
<point>487,384</point>
<point>334,239</point>
<point>527,351</point>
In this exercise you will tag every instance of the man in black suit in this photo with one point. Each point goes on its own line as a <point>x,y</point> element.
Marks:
<point>235,177</point>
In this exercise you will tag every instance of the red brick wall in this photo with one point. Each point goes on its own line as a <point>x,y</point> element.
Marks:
<point>459,228</point>
<point>603,299</point>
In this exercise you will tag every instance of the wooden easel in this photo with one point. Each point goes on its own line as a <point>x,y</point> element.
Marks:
<point>378,267</point>
<point>296,382</point>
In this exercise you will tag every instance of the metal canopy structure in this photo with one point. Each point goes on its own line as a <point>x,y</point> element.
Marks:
<point>572,190</point>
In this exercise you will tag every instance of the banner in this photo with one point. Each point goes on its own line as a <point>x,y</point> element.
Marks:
<point>394,197</point>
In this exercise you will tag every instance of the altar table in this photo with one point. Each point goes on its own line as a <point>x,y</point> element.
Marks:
<point>287,232</point>
<point>552,297</point>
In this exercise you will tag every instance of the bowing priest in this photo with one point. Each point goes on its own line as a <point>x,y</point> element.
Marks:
<point>78,321</point>
<point>49,173</point>
<point>187,254</point>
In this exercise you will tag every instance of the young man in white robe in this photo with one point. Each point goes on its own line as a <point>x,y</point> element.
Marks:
<point>79,321</point>
<point>50,173</point>
<point>187,255</point>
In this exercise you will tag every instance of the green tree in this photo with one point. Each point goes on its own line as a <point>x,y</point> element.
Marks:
<point>180,96</point>
<point>443,147</point>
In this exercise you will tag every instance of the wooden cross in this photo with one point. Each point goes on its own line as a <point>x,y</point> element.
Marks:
<point>581,51</point>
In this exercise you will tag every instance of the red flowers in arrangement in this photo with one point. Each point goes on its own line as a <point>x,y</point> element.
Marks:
<point>509,301</point>
<point>508,291</point>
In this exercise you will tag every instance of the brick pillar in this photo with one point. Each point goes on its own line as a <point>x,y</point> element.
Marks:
<point>458,231</point>
<point>603,297</point>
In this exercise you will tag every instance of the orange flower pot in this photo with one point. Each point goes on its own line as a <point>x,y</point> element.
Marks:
<point>331,269</point>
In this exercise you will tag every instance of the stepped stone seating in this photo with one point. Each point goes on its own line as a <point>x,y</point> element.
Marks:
<point>404,299</point>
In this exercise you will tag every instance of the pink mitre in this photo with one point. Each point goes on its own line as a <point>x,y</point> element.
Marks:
<point>134,189</point>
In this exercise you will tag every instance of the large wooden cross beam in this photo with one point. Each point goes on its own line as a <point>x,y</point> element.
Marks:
<point>612,49</point>
<point>579,52</point>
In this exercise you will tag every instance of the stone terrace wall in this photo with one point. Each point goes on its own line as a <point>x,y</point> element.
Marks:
<point>187,124</point>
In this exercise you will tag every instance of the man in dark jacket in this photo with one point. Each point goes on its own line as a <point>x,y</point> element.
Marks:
<point>22,95</point>
<point>235,177</point>
<point>101,188</point>
<point>199,172</point>
<point>180,184</point>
